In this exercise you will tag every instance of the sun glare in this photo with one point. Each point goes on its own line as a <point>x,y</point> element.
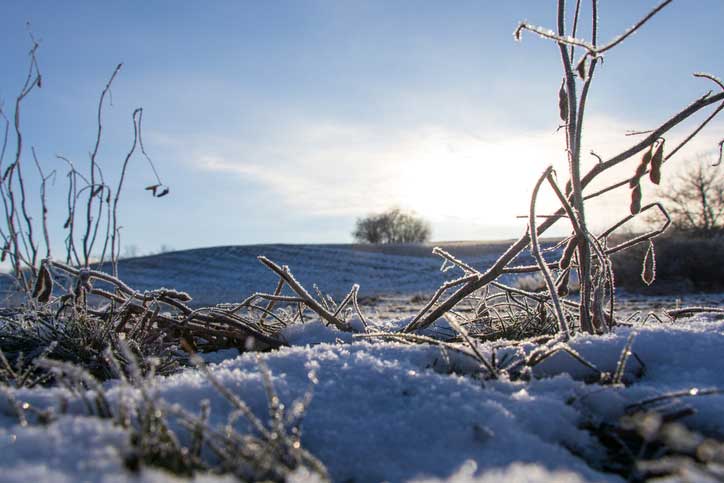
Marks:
<point>461,176</point>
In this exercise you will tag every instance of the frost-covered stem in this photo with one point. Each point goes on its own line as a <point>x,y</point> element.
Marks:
<point>99,191</point>
<point>43,202</point>
<point>289,279</point>
<point>550,35</point>
<point>566,205</point>
<point>638,239</point>
<point>71,250</point>
<point>532,295</point>
<point>576,16</point>
<point>686,140</point>
<point>87,245</point>
<point>114,229</point>
<point>682,115</point>
<point>247,302</point>
<point>473,346</point>
<point>418,321</point>
<point>633,29</point>
<point>573,137</point>
<point>592,50</point>
<point>713,78</point>
<point>450,258</point>
<point>347,299</point>
<point>272,301</point>
<point>31,82</point>
<point>358,310</point>
<point>588,79</point>
<point>535,250</point>
<point>11,247</point>
<point>19,246</point>
<point>584,249</point>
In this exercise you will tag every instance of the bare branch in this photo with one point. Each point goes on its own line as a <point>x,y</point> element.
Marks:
<point>633,29</point>
<point>535,250</point>
<point>289,279</point>
<point>87,245</point>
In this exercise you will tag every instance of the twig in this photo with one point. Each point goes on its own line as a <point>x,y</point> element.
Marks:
<point>287,276</point>
<point>87,246</point>
<point>535,250</point>
<point>689,311</point>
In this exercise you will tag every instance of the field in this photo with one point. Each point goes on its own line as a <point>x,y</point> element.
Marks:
<point>396,410</point>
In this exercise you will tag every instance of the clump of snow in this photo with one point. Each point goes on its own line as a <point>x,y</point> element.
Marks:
<point>514,473</point>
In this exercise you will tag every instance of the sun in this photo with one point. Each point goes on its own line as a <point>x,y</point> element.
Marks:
<point>451,175</point>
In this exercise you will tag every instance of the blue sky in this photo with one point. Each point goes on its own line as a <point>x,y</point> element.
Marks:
<point>285,121</point>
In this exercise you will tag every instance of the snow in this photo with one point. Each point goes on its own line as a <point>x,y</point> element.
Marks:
<point>387,411</point>
<point>393,412</point>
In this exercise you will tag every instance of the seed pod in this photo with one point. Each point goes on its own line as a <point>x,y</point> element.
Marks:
<point>567,255</point>
<point>6,250</point>
<point>43,285</point>
<point>641,168</point>
<point>648,269</point>
<point>563,103</point>
<point>656,161</point>
<point>636,199</point>
<point>563,284</point>
<point>581,69</point>
<point>152,188</point>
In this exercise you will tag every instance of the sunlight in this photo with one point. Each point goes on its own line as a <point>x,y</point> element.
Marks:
<point>468,178</point>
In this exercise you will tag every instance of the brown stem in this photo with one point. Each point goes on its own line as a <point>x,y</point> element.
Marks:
<point>87,246</point>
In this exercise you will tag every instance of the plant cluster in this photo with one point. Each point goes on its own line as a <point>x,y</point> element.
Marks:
<point>586,254</point>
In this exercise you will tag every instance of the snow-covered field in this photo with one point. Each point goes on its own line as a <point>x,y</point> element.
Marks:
<point>386,411</point>
<point>226,274</point>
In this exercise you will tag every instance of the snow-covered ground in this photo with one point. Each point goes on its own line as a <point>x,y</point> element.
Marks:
<point>385,411</point>
<point>392,412</point>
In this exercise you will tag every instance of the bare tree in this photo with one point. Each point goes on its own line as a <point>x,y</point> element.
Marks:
<point>695,200</point>
<point>392,226</point>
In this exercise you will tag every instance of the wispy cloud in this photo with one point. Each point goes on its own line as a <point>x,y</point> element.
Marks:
<point>451,176</point>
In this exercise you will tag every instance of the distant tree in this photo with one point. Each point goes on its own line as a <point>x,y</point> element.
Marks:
<point>131,251</point>
<point>695,201</point>
<point>165,248</point>
<point>392,226</point>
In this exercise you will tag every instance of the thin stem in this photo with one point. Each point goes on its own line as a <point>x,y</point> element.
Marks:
<point>535,250</point>
<point>87,245</point>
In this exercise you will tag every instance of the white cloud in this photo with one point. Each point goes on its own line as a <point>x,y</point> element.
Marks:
<point>450,176</point>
